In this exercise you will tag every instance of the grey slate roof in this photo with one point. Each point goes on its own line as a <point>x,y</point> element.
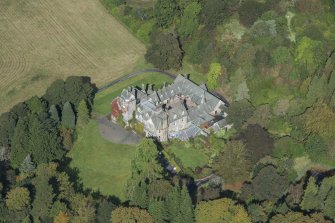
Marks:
<point>150,104</point>
<point>176,113</point>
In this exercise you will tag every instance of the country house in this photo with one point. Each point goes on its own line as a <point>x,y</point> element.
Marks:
<point>180,110</point>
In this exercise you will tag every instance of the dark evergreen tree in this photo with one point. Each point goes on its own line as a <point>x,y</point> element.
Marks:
<point>186,208</point>
<point>44,196</point>
<point>68,116</point>
<point>37,105</point>
<point>45,144</point>
<point>179,205</point>
<point>104,211</point>
<point>83,116</point>
<point>145,169</point>
<point>73,89</point>
<point>55,93</point>
<point>8,122</point>
<point>172,204</point>
<point>20,141</point>
<point>140,196</point>
<point>20,110</point>
<point>54,113</point>
<point>157,210</point>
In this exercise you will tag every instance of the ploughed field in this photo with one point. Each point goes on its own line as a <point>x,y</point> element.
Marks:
<point>43,40</point>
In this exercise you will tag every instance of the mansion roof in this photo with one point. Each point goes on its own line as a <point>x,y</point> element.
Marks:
<point>182,100</point>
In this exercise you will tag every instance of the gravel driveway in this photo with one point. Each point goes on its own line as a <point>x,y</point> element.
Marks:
<point>116,134</point>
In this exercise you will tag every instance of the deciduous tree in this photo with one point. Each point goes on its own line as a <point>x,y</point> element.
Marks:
<point>239,112</point>
<point>258,141</point>
<point>165,11</point>
<point>189,19</point>
<point>62,217</point>
<point>213,76</point>
<point>215,11</point>
<point>250,11</point>
<point>18,198</point>
<point>232,162</point>
<point>268,184</point>
<point>295,217</point>
<point>165,52</point>
<point>222,210</point>
<point>320,120</point>
<point>130,214</point>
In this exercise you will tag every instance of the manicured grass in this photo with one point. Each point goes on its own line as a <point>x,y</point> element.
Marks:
<point>103,166</point>
<point>195,75</point>
<point>102,101</point>
<point>188,156</point>
<point>41,41</point>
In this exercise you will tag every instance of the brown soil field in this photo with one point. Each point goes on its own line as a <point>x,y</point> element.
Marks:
<point>43,40</point>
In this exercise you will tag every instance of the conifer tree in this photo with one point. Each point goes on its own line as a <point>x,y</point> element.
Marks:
<point>157,210</point>
<point>54,114</point>
<point>44,141</point>
<point>27,165</point>
<point>20,141</point>
<point>43,197</point>
<point>83,114</point>
<point>140,196</point>
<point>329,205</point>
<point>172,204</point>
<point>310,199</point>
<point>68,116</point>
<point>179,205</point>
<point>186,208</point>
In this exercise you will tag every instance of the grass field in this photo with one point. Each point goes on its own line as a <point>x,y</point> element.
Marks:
<point>102,101</point>
<point>103,166</point>
<point>188,156</point>
<point>42,40</point>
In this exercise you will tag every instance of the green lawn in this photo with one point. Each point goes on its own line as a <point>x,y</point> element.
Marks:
<point>189,156</point>
<point>103,99</point>
<point>195,75</point>
<point>103,166</point>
